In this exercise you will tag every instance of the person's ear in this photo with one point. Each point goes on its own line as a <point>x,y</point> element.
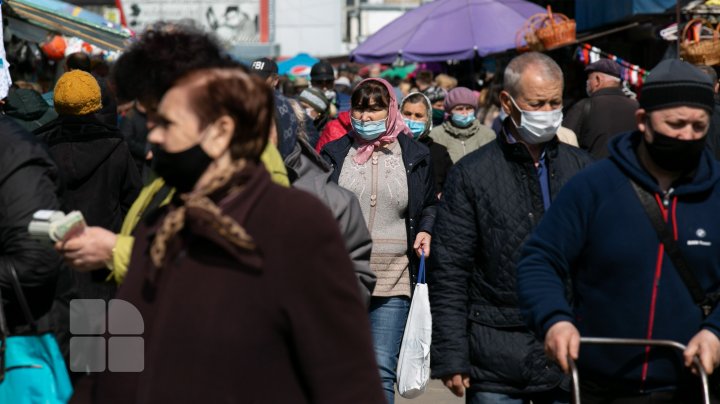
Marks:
<point>505,102</point>
<point>219,137</point>
<point>641,117</point>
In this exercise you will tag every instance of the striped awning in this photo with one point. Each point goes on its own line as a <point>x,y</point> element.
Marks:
<point>69,20</point>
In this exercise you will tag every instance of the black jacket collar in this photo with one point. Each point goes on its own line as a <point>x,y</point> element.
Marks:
<point>518,151</point>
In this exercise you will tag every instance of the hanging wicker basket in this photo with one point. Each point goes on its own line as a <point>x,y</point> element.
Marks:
<point>527,33</point>
<point>696,49</point>
<point>555,29</point>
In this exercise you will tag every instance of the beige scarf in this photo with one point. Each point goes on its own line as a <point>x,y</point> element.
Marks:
<point>200,200</point>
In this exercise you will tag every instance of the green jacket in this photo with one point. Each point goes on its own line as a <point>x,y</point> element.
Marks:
<point>461,141</point>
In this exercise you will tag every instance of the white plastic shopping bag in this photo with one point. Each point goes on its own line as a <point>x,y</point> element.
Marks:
<point>413,370</point>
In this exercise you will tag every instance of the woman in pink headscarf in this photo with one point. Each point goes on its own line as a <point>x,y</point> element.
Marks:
<point>392,176</point>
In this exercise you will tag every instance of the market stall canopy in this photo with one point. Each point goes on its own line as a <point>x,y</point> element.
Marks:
<point>448,30</point>
<point>591,14</point>
<point>69,20</point>
<point>400,72</point>
<point>84,3</point>
<point>298,65</point>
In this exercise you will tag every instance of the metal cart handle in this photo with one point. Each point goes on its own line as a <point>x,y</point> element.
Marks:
<point>640,342</point>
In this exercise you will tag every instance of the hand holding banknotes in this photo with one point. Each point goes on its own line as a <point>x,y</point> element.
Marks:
<point>90,250</point>
<point>83,248</point>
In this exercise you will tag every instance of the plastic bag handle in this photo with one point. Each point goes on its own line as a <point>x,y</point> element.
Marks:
<point>421,270</point>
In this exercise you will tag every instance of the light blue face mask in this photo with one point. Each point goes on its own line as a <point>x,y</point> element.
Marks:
<point>416,127</point>
<point>463,121</point>
<point>370,130</point>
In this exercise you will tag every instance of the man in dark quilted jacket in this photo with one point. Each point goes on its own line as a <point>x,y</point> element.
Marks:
<point>493,199</point>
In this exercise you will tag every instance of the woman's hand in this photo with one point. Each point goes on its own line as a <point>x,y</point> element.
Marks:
<point>422,243</point>
<point>88,251</point>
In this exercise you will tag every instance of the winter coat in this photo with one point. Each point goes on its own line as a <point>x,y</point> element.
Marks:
<point>28,108</point>
<point>441,161</point>
<point>421,188</point>
<point>28,183</point>
<point>610,113</point>
<point>334,130</point>
<point>100,178</point>
<point>491,203</point>
<point>282,324</point>
<point>461,141</point>
<point>310,173</point>
<point>598,235</point>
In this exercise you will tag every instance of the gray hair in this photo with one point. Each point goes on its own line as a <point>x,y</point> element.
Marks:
<point>517,66</point>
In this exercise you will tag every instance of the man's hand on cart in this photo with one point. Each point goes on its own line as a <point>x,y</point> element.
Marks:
<point>706,346</point>
<point>560,340</point>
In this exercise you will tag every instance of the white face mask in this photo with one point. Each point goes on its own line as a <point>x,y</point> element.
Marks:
<point>537,126</point>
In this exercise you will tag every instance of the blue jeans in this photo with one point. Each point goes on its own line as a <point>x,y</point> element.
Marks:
<point>387,321</point>
<point>556,396</point>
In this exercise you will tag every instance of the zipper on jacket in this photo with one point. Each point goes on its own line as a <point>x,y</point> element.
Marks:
<point>664,205</point>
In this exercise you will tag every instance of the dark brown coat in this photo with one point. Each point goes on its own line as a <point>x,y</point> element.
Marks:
<point>284,325</point>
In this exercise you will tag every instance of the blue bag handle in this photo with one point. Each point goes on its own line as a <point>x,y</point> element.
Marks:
<point>421,270</point>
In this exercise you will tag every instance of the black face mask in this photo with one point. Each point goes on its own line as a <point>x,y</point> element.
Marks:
<point>181,170</point>
<point>673,154</point>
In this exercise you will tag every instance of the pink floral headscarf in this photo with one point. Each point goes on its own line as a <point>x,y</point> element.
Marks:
<point>395,125</point>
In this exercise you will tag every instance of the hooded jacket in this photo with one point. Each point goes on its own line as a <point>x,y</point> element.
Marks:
<point>310,173</point>
<point>28,108</point>
<point>491,203</point>
<point>598,238</point>
<point>461,141</point>
<point>99,174</point>
<point>100,179</point>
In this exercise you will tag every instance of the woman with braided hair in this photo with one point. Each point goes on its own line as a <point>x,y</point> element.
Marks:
<point>238,303</point>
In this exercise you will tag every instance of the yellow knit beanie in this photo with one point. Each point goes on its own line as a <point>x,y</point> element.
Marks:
<point>77,93</point>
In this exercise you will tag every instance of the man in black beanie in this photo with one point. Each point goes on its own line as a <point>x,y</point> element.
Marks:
<point>631,249</point>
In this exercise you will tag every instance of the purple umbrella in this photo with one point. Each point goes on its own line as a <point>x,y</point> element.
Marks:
<point>448,30</point>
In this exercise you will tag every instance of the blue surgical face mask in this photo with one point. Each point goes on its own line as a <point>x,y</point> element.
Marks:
<point>463,121</point>
<point>416,127</point>
<point>370,130</point>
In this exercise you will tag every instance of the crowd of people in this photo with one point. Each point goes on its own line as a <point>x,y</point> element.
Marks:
<point>271,240</point>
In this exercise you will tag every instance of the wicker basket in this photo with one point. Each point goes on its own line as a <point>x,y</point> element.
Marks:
<point>555,29</point>
<point>527,32</point>
<point>700,51</point>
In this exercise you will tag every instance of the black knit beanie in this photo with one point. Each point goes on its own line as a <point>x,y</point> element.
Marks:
<point>674,83</point>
